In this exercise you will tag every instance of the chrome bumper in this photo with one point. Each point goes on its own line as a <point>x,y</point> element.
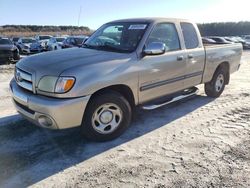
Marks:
<point>63,113</point>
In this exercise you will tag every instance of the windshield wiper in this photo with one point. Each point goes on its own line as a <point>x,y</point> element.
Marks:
<point>106,47</point>
<point>111,48</point>
<point>88,46</point>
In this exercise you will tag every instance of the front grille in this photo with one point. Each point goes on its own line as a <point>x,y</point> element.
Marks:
<point>24,79</point>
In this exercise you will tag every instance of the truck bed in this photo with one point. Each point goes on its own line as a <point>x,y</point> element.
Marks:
<point>215,54</point>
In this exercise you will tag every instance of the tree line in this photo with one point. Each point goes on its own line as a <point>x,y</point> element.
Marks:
<point>206,29</point>
<point>225,29</point>
<point>39,28</point>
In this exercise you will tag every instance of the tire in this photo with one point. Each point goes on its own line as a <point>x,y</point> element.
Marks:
<point>106,117</point>
<point>216,86</point>
<point>55,48</point>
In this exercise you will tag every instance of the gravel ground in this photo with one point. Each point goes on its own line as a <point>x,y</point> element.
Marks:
<point>200,142</point>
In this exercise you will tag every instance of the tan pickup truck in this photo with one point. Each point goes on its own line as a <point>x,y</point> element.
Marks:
<point>147,62</point>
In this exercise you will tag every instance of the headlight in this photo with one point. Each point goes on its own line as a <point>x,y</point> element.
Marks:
<point>64,84</point>
<point>47,84</point>
<point>54,84</point>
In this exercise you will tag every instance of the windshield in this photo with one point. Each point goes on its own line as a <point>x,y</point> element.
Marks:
<point>60,39</point>
<point>28,40</point>
<point>79,40</point>
<point>118,37</point>
<point>44,37</point>
<point>15,39</point>
<point>5,41</point>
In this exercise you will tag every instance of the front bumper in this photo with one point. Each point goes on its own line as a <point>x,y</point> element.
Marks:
<point>26,51</point>
<point>9,55</point>
<point>63,113</point>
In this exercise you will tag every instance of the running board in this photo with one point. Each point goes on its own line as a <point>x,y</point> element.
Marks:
<point>178,98</point>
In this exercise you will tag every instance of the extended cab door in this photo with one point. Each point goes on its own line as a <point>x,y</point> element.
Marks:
<point>194,53</point>
<point>162,74</point>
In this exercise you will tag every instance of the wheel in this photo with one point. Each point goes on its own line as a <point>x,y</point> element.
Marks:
<point>216,86</point>
<point>106,117</point>
<point>55,48</point>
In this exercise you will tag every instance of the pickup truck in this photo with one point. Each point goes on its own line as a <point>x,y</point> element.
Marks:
<point>125,64</point>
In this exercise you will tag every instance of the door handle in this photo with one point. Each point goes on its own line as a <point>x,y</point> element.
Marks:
<point>190,56</point>
<point>180,58</point>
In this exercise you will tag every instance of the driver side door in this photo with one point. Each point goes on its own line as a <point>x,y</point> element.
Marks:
<point>162,74</point>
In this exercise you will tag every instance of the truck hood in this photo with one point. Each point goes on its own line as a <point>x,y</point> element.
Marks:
<point>55,62</point>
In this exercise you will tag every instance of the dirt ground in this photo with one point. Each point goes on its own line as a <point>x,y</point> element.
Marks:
<point>200,142</point>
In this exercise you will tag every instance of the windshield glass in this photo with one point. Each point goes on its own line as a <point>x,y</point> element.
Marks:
<point>118,37</point>
<point>15,39</point>
<point>79,40</point>
<point>60,39</point>
<point>44,37</point>
<point>5,41</point>
<point>28,40</point>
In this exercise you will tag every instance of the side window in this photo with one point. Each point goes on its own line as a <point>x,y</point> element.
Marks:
<point>72,41</point>
<point>166,33</point>
<point>190,35</point>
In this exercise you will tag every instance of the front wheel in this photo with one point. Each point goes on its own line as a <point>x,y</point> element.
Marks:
<point>106,117</point>
<point>216,86</point>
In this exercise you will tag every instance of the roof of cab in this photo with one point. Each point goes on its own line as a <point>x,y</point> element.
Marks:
<point>152,19</point>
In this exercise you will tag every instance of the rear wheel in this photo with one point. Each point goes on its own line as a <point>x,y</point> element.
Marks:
<point>216,86</point>
<point>106,117</point>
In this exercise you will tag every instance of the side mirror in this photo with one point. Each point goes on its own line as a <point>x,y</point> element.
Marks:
<point>155,48</point>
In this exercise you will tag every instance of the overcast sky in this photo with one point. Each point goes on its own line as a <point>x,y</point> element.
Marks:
<point>96,12</point>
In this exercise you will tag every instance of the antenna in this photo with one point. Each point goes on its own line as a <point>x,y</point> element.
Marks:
<point>80,11</point>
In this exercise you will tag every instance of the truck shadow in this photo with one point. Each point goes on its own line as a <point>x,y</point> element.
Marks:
<point>29,154</point>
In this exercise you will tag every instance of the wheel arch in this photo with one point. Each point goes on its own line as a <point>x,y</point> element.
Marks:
<point>225,66</point>
<point>122,89</point>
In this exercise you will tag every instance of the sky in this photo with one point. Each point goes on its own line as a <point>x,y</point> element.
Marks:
<point>94,13</point>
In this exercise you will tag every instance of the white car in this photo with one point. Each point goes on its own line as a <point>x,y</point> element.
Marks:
<point>41,44</point>
<point>55,43</point>
<point>23,44</point>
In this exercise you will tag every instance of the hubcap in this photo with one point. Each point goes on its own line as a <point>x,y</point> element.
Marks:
<point>219,83</point>
<point>106,118</point>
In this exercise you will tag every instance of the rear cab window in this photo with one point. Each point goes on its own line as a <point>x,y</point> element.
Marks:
<point>190,35</point>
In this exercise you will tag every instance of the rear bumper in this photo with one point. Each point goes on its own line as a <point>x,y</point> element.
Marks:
<point>62,113</point>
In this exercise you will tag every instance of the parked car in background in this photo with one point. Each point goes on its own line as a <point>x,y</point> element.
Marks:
<point>15,39</point>
<point>246,45</point>
<point>9,53</point>
<point>220,40</point>
<point>230,39</point>
<point>206,40</point>
<point>24,44</point>
<point>74,41</point>
<point>41,44</point>
<point>55,43</point>
<point>151,63</point>
<point>247,38</point>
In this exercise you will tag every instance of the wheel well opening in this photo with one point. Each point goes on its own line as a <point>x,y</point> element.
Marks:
<point>225,66</point>
<point>122,89</point>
